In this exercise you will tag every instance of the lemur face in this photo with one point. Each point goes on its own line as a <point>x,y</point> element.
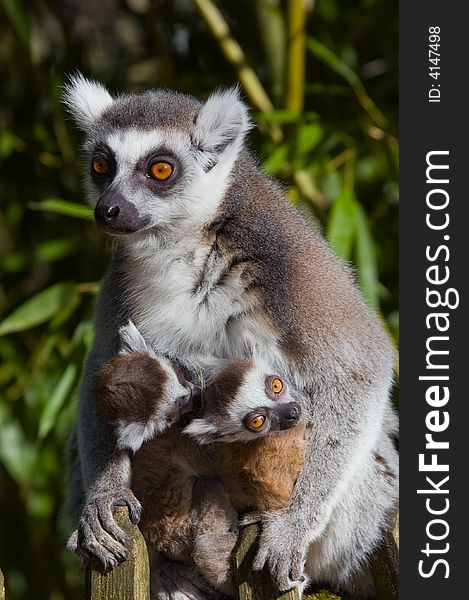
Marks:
<point>158,159</point>
<point>243,403</point>
<point>138,394</point>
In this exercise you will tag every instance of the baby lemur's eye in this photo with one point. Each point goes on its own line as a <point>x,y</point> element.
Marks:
<point>100,165</point>
<point>255,422</point>
<point>160,171</point>
<point>276,385</point>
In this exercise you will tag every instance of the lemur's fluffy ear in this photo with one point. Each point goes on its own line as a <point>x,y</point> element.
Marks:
<point>132,340</point>
<point>222,121</point>
<point>86,100</point>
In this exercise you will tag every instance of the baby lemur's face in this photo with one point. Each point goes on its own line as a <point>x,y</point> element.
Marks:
<point>243,403</point>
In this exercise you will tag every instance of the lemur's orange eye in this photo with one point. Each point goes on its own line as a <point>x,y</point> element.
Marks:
<point>257,422</point>
<point>276,385</point>
<point>100,165</point>
<point>161,171</point>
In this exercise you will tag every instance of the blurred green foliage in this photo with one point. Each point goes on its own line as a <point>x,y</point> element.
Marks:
<point>337,157</point>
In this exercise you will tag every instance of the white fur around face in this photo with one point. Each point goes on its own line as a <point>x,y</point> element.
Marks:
<point>196,197</point>
<point>86,100</point>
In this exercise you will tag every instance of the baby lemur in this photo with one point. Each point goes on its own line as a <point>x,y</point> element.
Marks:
<point>214,264</point>
<point>193,491</point>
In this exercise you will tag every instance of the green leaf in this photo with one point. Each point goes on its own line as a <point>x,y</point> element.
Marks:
<point>52,250</point>
<point>365,256</point>
<point>38,309</point>
<point>56,401</point>
<point>333,61</point>
<point>341,226</point>
<point>63,207</point>
<point>308,138</point>
<point>13,262</point>
<point>16,453</point>
<point>66,311</point>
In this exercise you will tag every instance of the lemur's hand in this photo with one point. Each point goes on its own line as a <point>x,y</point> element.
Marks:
<point>98,540</point>
<point>283,547</point>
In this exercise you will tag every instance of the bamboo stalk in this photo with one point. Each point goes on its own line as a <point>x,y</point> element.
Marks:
<point>271,26</point>
<point>296,50</point>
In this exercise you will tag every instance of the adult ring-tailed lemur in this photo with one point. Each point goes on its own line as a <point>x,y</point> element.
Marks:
<point>214,264</point>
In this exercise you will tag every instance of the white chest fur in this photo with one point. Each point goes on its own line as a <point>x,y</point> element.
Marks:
<point>187,303</point>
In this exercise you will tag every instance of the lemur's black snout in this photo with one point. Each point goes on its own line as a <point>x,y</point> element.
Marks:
<point>292,412</point>
<point>115,214</point>
<point>112,212</point>
<point>288,415</point>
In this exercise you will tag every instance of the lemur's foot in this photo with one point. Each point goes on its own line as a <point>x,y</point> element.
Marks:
<point>99,541</point>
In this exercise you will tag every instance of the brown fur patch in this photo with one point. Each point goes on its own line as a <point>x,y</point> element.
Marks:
<point>180,484</point>
<point>129,388</point>
<point>261,475</point>
<point>164,473</point>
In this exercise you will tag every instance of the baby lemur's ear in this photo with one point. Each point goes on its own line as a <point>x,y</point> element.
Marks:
<point>131,340</point>
<point>85,99</point>
<point>222,121</point>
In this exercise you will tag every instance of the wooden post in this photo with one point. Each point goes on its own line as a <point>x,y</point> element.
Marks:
<point>2,586</point>
<point>254,585</point>
<point>385,565</point>
<point>131,579</point>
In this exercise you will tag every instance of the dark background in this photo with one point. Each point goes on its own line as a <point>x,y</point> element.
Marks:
<point>330,136</point>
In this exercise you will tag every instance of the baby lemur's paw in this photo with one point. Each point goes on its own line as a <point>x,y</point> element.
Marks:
<point>282,548</point>
<point>99,541</point>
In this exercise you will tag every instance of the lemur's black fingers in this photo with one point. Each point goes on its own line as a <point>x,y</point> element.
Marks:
<point>112,544</point>
<point>97,547</point>
<point>89,545</point>
<point>94,539</point>
<point>133,505</point>
<point>110,526</point>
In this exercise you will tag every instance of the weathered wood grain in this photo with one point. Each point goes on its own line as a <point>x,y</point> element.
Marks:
<point>131,579</point>
<point>254,585</point>
<point>385,565</point>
